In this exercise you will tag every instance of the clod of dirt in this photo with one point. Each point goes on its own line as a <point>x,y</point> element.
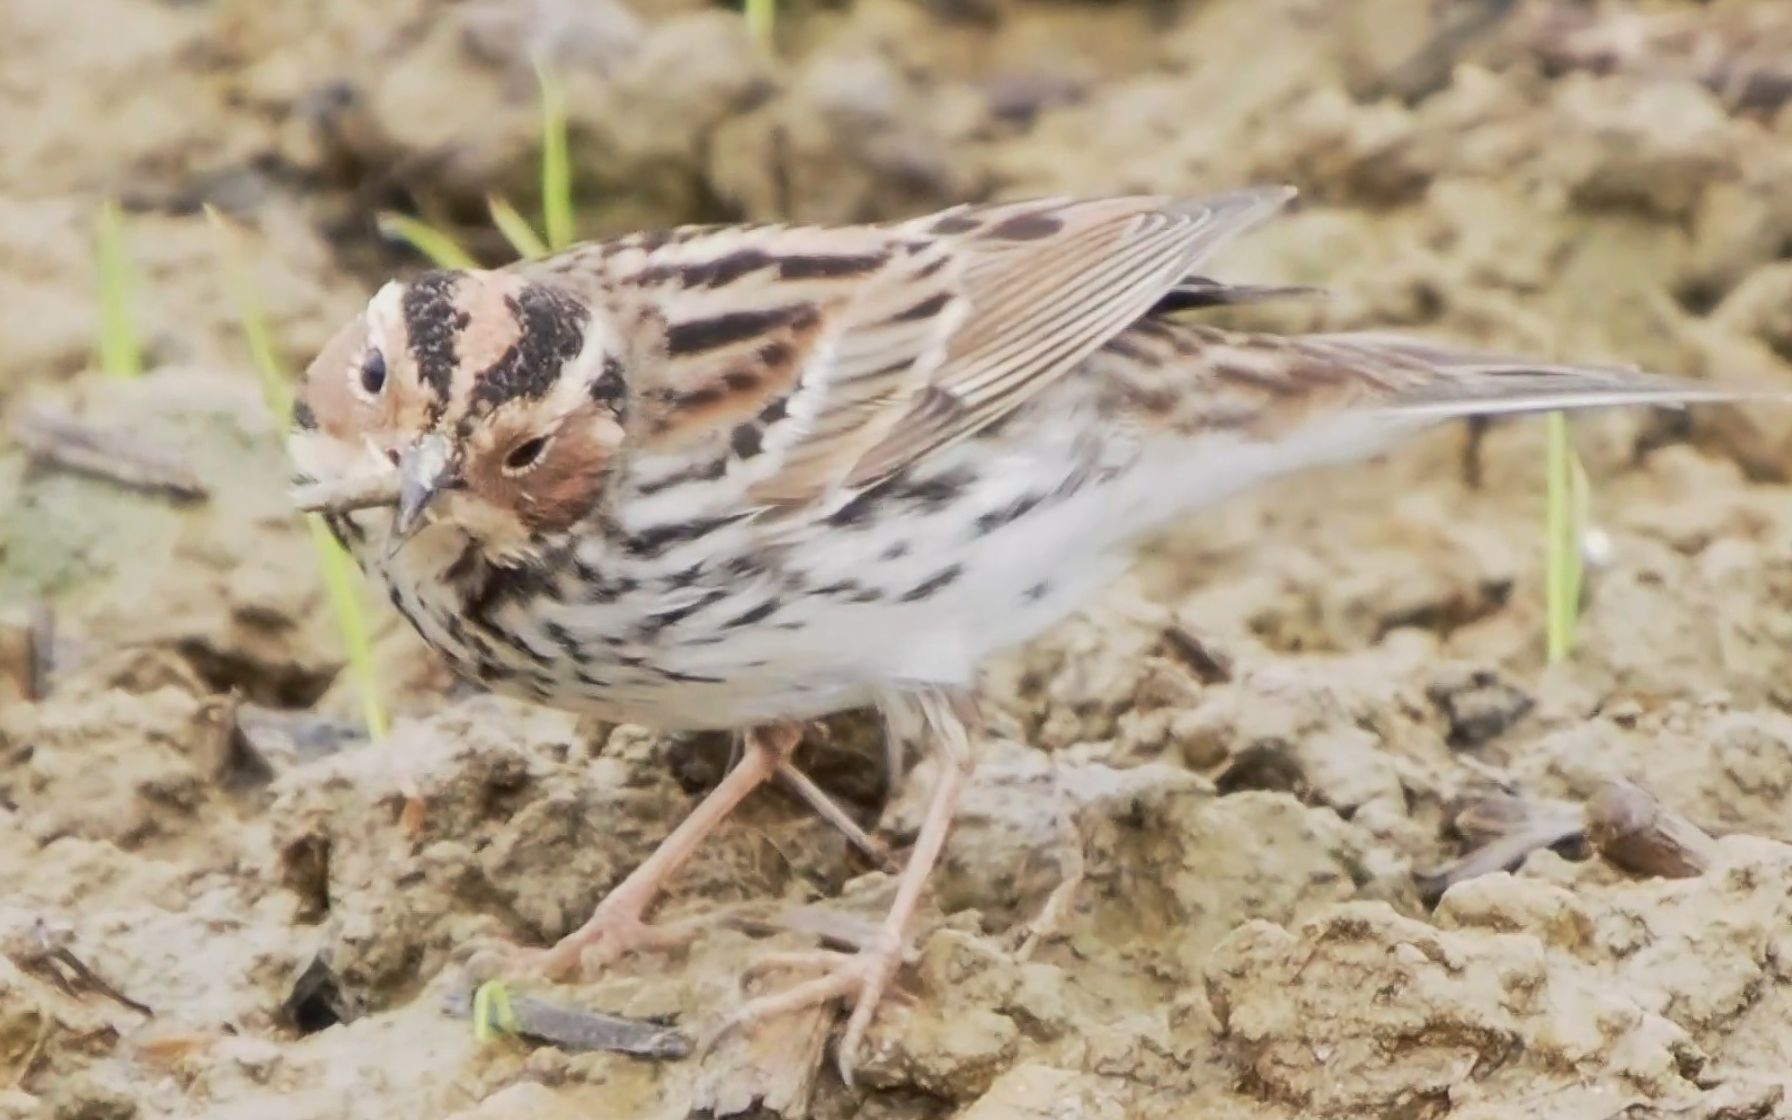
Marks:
<point>1477,703</point>
<point>1360,1010</point>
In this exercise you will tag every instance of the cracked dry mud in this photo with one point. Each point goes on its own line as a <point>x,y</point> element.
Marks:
<point>1225,788</point>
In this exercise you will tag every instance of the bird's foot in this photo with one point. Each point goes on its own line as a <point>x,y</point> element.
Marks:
<point>861,978</point>
<point>615,930</point>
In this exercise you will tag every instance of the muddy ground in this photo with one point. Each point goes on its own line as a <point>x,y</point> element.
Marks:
<point>1199,872</point>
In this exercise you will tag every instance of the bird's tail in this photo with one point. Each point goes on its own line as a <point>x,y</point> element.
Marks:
<point>1420,379</point>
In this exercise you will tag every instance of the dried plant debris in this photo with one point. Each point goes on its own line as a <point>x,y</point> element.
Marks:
<point>1621,821</point>
<point>573,1028</point>
<point>56,438</point>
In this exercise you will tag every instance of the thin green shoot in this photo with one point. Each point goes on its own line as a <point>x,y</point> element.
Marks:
<point>441,249</point>
<point>1565,519</point>
<point>556,162</point>
<point>342,588</point>
<point>492,1014</point>
<point>335,565</point>
<point>275,388</point>
<point>516,230</point>
<point>120,354</point>
<point>762,21</point>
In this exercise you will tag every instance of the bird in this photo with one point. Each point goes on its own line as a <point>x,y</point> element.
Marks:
<point>743,476</point>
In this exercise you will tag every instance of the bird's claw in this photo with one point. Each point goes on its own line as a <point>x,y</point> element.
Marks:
<point>861,977</point>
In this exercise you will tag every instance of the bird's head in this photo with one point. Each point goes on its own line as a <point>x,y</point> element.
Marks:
<point>500,401</point>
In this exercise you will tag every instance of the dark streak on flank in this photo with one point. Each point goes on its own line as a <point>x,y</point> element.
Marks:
<point>953,223</point>
<point>854,513</point>
<point>302,417</point>
<point>827,268</point>
<point>652,542</point>
<point>725,270</point>
<point>758,614</point>
<point>1010,513</point>
<point>775,411</point>
<point>735,326</point>
<point>926,309</point>
<point>1276,381</point>
<point>430,321</point>
<point>933,583</point>
<point>931,492</point>
<point>552,331</point>
<point>563,638</point>
<point>686,678</point>
<point>1029,226</point>
<point>657,622</point>
<point>685,578</point>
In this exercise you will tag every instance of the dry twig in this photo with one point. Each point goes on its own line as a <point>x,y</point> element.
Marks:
<point>58,438</point>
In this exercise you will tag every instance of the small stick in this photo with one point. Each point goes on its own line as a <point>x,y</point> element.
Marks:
<point>347,494</point>
<point>1638,833</point>
<point>25,651</point>
<point>572,1028</point>
<point>53,436</point>
<point>43,947</point>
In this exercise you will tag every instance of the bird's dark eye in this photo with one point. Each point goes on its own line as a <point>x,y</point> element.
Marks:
<point>523,455</point>
<point>373,373</point>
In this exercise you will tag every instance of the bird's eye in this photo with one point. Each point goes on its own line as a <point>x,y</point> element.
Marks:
<point>373,373</point>
<point>524,455</point>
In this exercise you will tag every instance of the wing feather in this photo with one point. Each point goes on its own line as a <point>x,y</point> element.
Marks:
<point>829,359</point>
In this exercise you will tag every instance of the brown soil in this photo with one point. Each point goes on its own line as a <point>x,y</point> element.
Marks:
<point>1195,876</point>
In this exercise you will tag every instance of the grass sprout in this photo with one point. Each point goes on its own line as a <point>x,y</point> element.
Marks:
<point>120,353</point>
<point>516,230</point>
<point>492,1014</point>
<point>1566,517</point>
<point>444,251</point>
<point>556,162</point>
<point>335,565</point>
<point>762,21</point>
<point>441,249</point>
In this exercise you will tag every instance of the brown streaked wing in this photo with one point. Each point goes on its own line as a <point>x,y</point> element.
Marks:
<point>1046,287</point>
<point>798,343</point>
<point>849,352</point>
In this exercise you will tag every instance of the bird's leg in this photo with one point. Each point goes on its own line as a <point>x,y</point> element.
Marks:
<point>831,811</point>
<point>825,807</point>
<point>617,926</point>
<point>864,975</point>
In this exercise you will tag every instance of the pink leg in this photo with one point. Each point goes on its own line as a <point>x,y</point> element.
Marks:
<point>863,976</point>
<point>617,926</point>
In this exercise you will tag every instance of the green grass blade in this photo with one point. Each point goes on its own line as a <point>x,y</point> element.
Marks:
<point>336,567</point>
<point>762,21</point>
<point>120,354</point>
<point>516,230</point>
<point>275,383</point>
<point>556,163</point>
<point>442,250</point>
<point>1562,529</point>
<point>340,585</point>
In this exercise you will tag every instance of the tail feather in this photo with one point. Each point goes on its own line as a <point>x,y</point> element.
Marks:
<point>1426,379</point>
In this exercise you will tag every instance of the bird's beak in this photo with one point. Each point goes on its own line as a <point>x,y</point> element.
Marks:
<point>422,471</point>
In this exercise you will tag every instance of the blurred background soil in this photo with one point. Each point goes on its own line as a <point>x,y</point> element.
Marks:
<point>1199,871</point>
